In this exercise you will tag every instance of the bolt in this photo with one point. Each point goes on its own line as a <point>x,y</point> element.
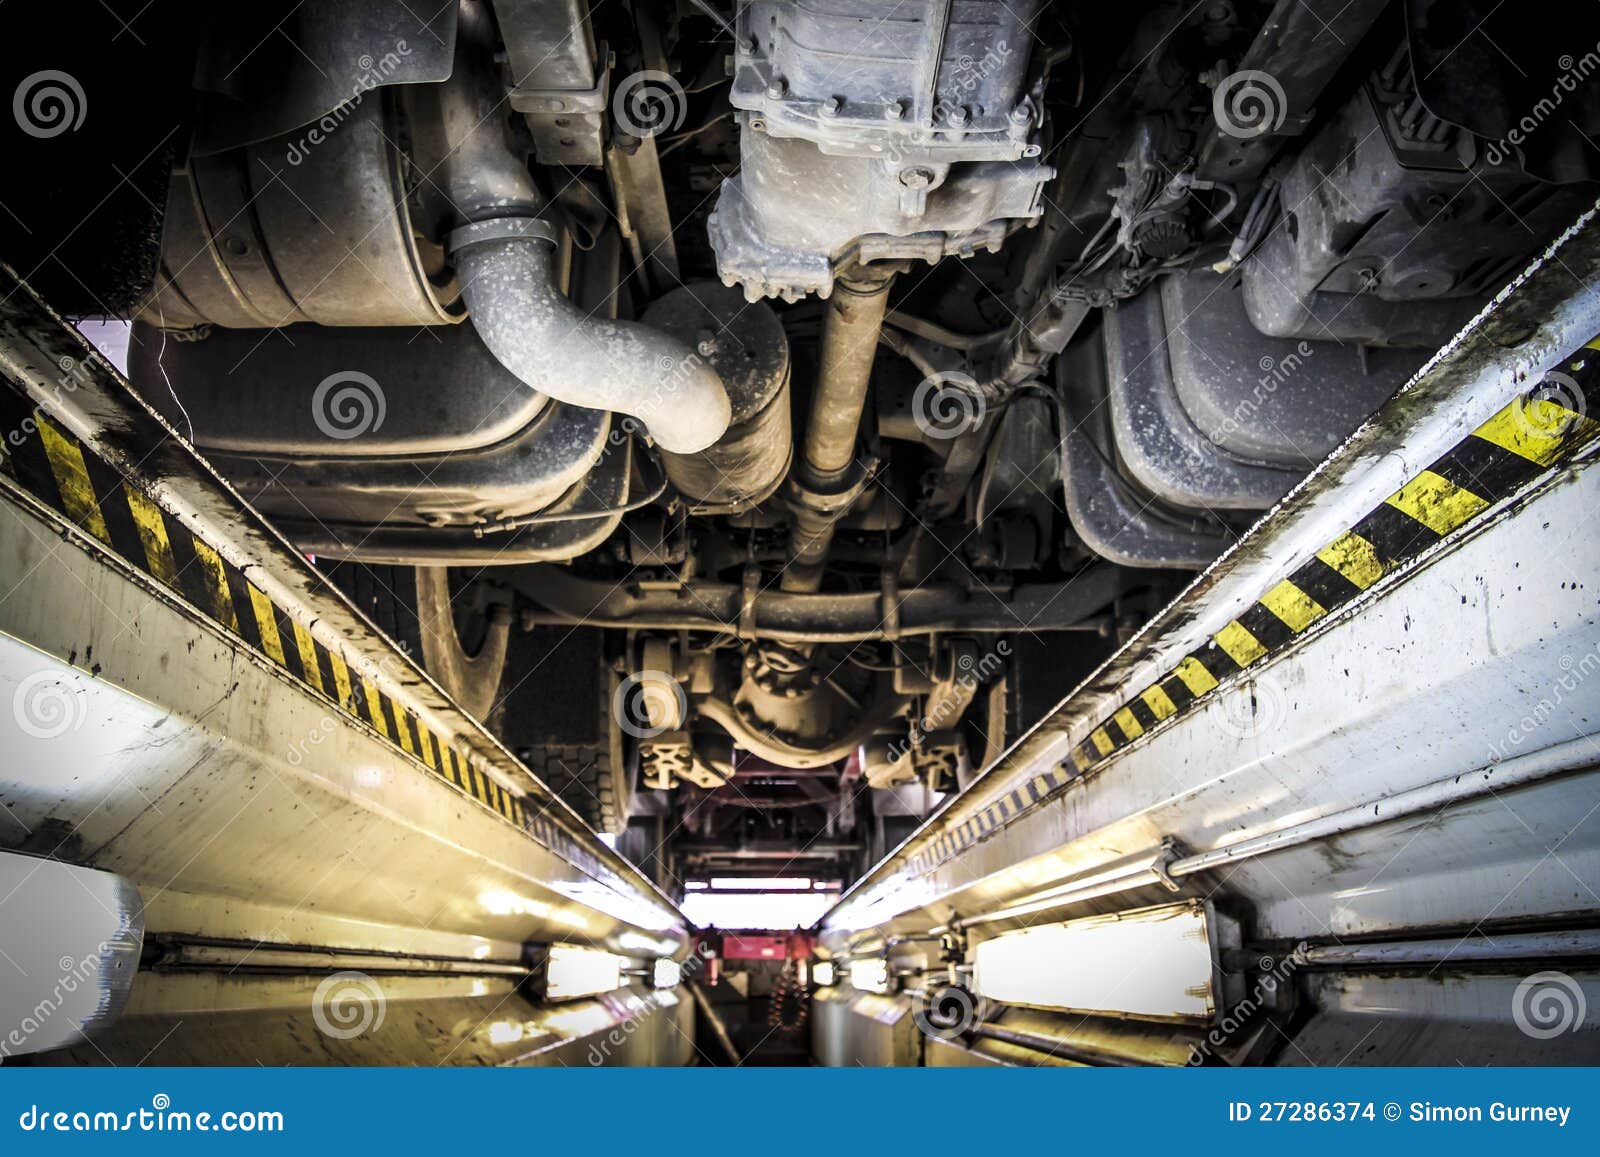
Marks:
<point>777,87</point>
<point>1021,115</point>
<point>707,343</point>
<point>895,110</point>
<point>916,178</point>
<point>830,107</point>
<point>557,104</point>
<point>958,115</point>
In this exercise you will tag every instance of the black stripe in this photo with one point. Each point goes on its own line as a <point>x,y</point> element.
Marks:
<point>26,450</point>
<point>1395,536</point>
<point>1214,659</point>
<point>243,610</point>
<point>1270,631</point>
<point>325,666</point>
<point>1489,471</point>
<point>112,499</point>
<point>1141,711</point>
<point>291,647</point>
<point>192,579</point>
<point>1177,691</point>
<point>1319,580</point>
<point>404,731</point>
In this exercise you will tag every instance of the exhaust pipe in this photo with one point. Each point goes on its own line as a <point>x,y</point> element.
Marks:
<point>504,258</point>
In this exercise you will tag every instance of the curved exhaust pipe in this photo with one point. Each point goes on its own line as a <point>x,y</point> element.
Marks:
<point>503,253</point>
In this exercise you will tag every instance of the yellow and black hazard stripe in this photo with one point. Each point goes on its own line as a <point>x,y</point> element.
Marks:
<point>64,474</point>
<point>1525,440</point>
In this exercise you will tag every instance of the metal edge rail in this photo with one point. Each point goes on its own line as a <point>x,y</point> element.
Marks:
<point>1405,484</point>
<point>84,447</point>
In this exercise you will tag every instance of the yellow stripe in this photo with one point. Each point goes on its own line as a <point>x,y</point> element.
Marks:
<point>1080,760</point>
<point>429,755</point>
<point>1102,741</point>
<point>1293,606</point>
<point>1241,646</point>
<point>1355,558</point>
<point>1159,702</point>
<point>153,534</point>
<point>341,682</point>
<point>266,624</point>
<point>72,480</point>
<point>375,708</point>
<point>1041,786</point>
<point>1436,502</point>
<point>308,655</point>
<point>1193,675</point>
<point>216,581</point>
<point>1536,429</point>
<point>1131,727</point>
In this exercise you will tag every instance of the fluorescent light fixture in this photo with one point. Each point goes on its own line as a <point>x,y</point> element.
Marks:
<point>1157,963</point>
<point>761,883</point>
<point>667,974</point>
<point>825,973</point>
<point>571,972</point>
<point>751,911</point>
<point>870,975</point>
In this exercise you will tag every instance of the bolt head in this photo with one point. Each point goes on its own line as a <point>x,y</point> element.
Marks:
<point>1021,115</point>
<point>958,115</point>
<point>916,178</point>
<point>830,107</point>
<point>777,87</point>
<point>895,110</point>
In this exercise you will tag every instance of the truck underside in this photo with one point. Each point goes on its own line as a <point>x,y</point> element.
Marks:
<point>994,468</point>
